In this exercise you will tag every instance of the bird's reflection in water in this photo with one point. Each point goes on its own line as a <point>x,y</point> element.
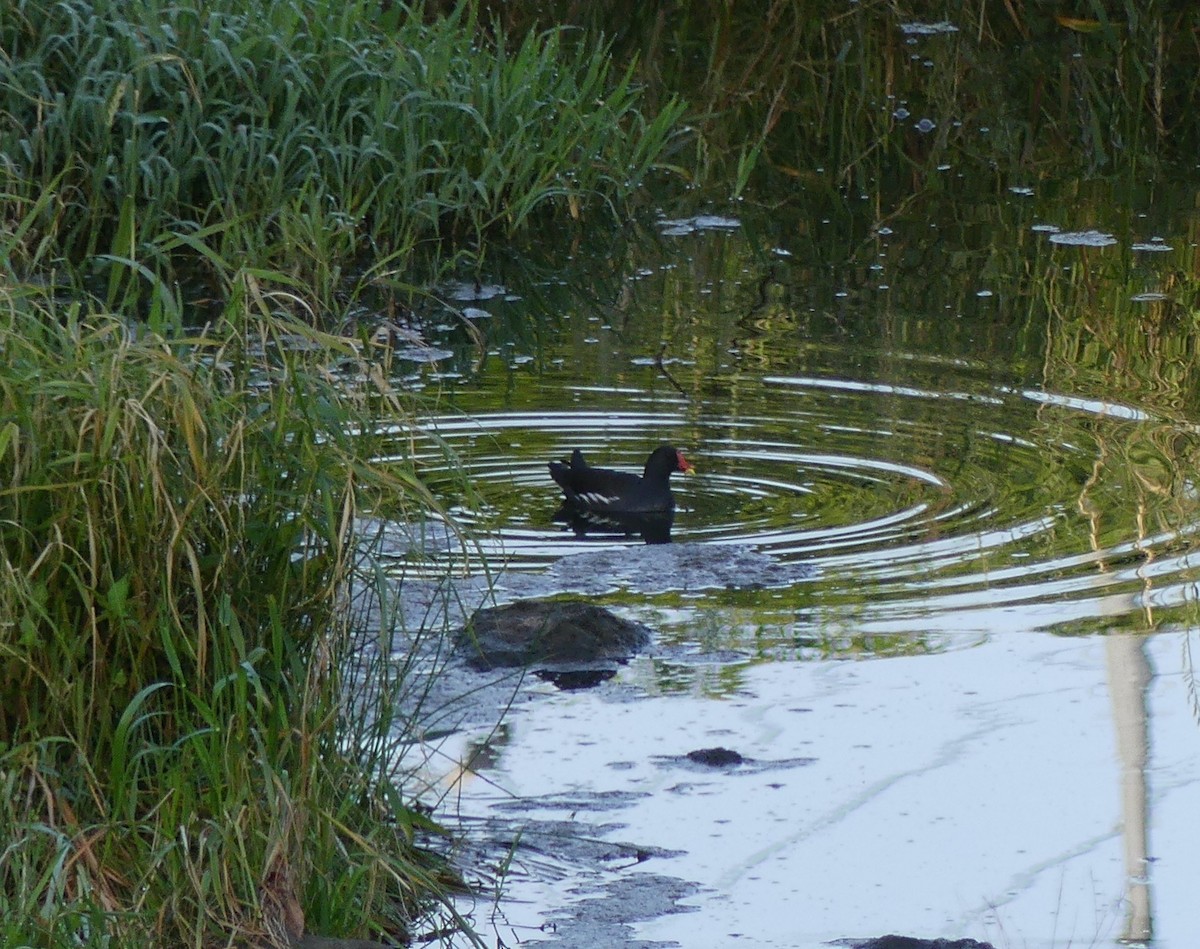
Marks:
<point>652,528</point>
<point>574,680</point>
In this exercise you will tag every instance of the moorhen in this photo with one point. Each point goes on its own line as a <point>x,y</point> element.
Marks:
<point>601,491</point>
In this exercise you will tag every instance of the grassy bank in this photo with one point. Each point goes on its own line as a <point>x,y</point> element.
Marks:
<point>178,508</point>
<point>154,148</point>
<point>177,539</point>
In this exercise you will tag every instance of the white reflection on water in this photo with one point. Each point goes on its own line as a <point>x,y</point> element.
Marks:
<point>939,803</point>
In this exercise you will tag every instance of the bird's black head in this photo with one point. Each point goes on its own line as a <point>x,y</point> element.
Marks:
<point>667,459</point>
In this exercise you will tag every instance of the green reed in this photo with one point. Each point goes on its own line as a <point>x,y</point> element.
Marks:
<point>179,533</point>
<point>303,136</point>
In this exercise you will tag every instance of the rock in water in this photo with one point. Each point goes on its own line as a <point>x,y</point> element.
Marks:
<point>554,633</point>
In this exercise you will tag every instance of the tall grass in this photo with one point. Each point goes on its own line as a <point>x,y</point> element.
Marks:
<point>177,542</point>
<point>178,509</point>
<point>305,137</point>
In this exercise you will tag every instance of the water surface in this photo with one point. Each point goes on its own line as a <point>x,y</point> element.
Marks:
<point>972,423</point>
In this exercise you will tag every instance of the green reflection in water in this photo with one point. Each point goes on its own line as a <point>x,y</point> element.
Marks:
<point>965,426</point>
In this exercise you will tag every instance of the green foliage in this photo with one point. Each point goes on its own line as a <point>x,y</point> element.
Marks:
<point>302,137</point>
<point>177,540</point>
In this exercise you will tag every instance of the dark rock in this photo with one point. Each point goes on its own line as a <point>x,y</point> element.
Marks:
<point>715,757</point>
<point>555,633</point>
<point>911,942</point>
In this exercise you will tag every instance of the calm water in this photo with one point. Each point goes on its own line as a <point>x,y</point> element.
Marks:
<point>975,716</point>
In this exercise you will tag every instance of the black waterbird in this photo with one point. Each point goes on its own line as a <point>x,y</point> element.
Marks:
<point>601,491</point>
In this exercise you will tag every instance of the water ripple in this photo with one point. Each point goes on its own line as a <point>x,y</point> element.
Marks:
<point>917,505</point>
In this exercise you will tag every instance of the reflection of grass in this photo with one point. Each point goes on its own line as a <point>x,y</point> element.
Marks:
<point>1189,668</point>
<point>724,653</point>
<point>837,94</point>
<point>832,645</point>
<point>753,633</point>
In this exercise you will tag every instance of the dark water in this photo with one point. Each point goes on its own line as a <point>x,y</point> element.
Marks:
<point>946,453</point>
<point>970,413</point>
